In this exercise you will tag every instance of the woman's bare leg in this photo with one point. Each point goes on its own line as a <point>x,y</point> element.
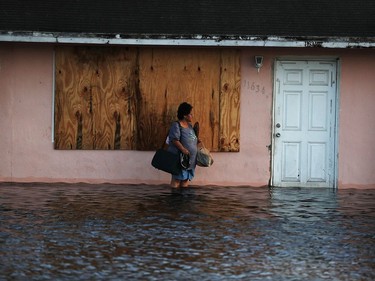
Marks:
<point>184,183</point>
<point>175,183</point>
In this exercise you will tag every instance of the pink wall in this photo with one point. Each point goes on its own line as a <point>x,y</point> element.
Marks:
<point>357,120</point>
<point>26,83</point>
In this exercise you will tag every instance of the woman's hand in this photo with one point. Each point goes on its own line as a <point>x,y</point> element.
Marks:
<point>185,151</point>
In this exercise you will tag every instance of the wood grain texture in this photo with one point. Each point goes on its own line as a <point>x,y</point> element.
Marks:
<point>230,101</point>
<point>72,88</point>
<point>171,76</point>
<point>95,96</point>
<point>126,98</point>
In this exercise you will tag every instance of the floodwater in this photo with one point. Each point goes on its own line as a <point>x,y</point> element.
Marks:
<point>140,232</point>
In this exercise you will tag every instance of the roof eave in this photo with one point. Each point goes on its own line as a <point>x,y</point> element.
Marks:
<point>187,40</point>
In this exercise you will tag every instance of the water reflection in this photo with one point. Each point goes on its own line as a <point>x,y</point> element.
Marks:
<point>308,232</point>
<point>107,232</point>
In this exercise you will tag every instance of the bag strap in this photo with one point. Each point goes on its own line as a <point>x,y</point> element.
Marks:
<point>196,129</point>
<point>163,144</point>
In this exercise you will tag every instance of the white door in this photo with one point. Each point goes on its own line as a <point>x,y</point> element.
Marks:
<point>304,124</point>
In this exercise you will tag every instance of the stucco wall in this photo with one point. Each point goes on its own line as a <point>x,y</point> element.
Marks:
<point>26,83</point>
<point>357,120</point>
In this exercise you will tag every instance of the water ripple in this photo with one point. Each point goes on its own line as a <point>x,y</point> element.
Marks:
<point>138,232</point>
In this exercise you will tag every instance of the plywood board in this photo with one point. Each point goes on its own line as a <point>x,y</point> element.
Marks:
<point>95,98</point>
<point>169,77</point>
<point>230,101</point>
<point>126,98</point>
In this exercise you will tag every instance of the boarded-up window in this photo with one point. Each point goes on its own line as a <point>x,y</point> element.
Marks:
<point>126,98</point>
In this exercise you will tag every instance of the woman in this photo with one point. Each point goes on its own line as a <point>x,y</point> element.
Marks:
<point>182,138</point>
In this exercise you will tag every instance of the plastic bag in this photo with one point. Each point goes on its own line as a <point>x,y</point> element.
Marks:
<point>204,157</point>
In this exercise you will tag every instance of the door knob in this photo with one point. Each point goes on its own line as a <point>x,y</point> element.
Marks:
<point>278,135</point>
<point>278,125</point>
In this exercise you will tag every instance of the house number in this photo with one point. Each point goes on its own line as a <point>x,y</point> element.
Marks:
<point>256,88</point>
<point>313,44</point>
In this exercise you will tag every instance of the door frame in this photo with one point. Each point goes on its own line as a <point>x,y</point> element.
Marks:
<point>335,60</point>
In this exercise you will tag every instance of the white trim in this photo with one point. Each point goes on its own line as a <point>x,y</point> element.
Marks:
<point>337,126</point>
<point>248,41</point>
<point>53,96</point>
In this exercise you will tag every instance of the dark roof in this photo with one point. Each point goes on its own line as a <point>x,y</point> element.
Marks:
<point>176,18</point>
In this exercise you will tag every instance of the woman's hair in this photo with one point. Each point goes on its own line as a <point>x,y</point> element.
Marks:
<point>183,109</point>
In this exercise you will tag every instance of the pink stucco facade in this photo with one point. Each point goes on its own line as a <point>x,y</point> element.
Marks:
<point>26,103</point>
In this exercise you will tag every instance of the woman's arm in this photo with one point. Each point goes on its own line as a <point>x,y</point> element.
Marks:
<point>179,145</point>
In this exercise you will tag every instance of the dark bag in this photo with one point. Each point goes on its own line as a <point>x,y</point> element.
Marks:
<point>166,161</point>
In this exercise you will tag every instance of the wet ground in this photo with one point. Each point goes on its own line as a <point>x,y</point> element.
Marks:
<point>138,232</point>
